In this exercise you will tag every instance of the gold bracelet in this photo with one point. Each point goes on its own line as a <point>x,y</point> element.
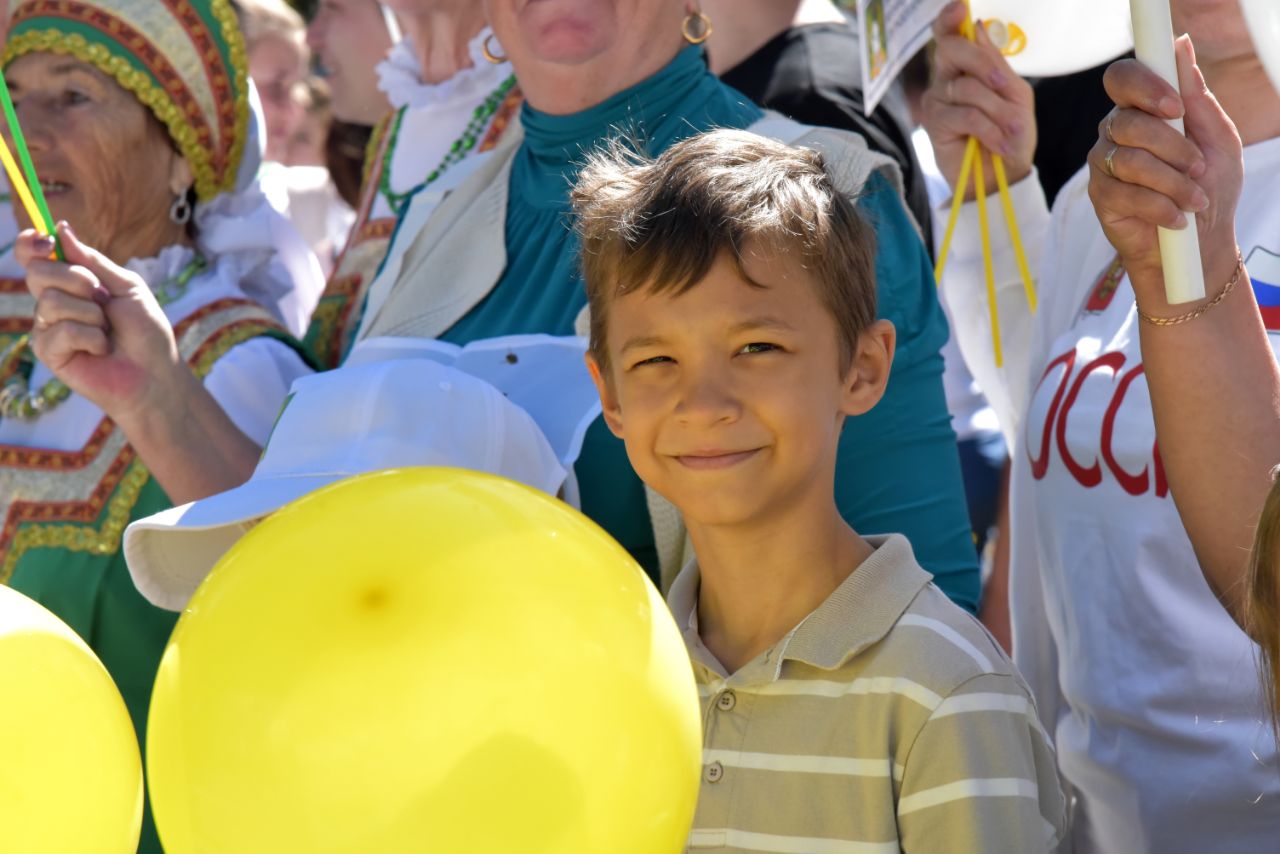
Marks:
<point>1193,314</point>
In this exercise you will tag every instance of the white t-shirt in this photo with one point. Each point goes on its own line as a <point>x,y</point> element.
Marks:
<point>1147,684</point>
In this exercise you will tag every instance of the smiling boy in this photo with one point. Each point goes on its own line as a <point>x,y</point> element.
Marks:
<point>847,704</point>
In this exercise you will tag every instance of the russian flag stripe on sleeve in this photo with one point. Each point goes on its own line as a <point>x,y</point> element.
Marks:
<point>1264,271</point>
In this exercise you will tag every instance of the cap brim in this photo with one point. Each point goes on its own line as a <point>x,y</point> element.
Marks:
<point>171,553</point>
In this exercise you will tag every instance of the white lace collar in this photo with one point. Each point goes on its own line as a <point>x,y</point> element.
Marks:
<point>168,264</point>
<point>400,76</point>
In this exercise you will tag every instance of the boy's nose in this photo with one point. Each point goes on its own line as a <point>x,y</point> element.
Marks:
<point>706,398</point>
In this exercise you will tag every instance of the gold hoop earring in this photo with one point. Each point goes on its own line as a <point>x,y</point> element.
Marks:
<point>702,24</point>
<point>495,58</point>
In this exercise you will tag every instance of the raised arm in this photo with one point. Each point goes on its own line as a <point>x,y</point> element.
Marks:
<point>100,330</point>
<point>975,92</point>
<point>1215,387</point>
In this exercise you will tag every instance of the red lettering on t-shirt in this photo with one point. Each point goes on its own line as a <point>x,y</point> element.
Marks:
<point>1132,484</point>
<point>1040,463</point>
<point>1054,433</point>
<point>1088,476</point>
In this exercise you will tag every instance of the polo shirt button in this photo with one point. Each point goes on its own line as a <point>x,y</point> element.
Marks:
<point>713,772</point>
<point>726,701</point>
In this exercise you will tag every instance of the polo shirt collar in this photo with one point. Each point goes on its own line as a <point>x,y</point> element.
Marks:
<point>859,613</point>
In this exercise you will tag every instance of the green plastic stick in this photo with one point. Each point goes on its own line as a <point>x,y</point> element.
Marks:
<point>24,156</point>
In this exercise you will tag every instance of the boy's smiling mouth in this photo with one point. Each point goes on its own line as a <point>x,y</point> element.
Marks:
<point>715,459</point>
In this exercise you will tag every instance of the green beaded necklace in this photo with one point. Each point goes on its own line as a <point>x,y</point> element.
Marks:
<point>461,147</point>
<point>16,398</point>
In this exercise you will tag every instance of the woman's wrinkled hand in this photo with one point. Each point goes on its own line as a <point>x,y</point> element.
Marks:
<point>97,325</point>
<point>974,92</point>
<point>1157,176</point>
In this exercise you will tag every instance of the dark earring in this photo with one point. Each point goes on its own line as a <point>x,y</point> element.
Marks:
<point>180,210</point>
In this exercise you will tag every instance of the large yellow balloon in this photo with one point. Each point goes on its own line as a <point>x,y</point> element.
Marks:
<point>70,774</point>
<point>425,660</point>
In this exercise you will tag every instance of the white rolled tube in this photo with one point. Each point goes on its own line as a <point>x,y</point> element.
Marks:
<point>1180,248</point>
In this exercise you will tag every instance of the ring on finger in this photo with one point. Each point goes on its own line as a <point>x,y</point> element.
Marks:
<point>1111,167</point>
<point>1111,118</point>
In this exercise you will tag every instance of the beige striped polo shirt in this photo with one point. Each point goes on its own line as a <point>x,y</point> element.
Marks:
<point>887,720</point>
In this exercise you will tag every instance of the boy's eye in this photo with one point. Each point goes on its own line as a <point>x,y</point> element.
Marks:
<point>72,97</point>
<point>653,360</point>
<point>759,347</point>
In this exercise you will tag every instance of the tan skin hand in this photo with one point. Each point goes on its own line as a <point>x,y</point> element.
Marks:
<point>1214,382</point>
<point>1159,173</point>
<point>97,326</point>
<point>975,93</point>
<point>101,331</point>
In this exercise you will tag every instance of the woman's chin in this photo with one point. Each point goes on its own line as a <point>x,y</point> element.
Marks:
<point>570,40</point>
<point>569,50</point>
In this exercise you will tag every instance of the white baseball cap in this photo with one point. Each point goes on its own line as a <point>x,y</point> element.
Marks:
<point>361,418</point>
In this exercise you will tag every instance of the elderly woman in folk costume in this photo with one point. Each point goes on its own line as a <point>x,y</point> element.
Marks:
<point>452,96</point>
<point>180,283</point>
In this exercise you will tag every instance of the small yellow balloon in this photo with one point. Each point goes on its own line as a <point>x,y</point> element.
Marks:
<point>425,660</point>
<point>70,773</point>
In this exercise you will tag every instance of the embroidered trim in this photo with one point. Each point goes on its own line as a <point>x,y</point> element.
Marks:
<point>331,329</point>
<point>69,524</point>
<point>15,326</point>
<point>374,153</point>
<point>79,538</point>
<point>236,333</point>
<point>502,119</point>
<point>214,164</point>
<point>378,229</point>
<point>238,57</point>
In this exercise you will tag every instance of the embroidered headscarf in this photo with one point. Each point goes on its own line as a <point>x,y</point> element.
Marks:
<point>185,60</point>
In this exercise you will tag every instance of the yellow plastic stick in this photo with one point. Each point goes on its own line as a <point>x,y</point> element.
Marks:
<point>966,165</point>
<point>20,187</point>
<point>966,27</point>
<point>988,268</point>
<point>1015,236</point>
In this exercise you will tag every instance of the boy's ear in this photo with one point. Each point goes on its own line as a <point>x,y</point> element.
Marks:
<point>869,372</point>
<point>608,397</point>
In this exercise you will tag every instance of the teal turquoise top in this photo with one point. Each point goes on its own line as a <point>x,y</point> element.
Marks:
<point>897,469</point>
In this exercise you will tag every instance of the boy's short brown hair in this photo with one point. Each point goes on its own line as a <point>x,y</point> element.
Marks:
<point>657,225</point>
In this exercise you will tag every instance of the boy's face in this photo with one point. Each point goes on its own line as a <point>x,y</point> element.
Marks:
<point>730,397</point>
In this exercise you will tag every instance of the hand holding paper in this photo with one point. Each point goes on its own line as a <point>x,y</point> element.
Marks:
<point>977,111</point>
<point>975,93</point>
<point>1160,175</point>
